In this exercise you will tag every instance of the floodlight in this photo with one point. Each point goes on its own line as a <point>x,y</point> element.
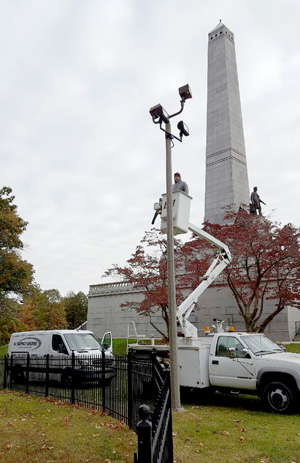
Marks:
<point>158,112</point>
<point>183,129</point>
<point>185,92</point>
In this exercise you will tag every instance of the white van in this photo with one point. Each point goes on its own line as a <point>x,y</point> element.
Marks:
<point>69,354</point>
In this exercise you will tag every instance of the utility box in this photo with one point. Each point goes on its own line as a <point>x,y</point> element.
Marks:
<point>181,212</point>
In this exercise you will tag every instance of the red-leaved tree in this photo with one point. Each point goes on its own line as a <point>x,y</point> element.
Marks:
<point>265,265</point>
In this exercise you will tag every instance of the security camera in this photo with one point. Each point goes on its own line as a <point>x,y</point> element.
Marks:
<point>159,114</point>
<point>185,92</point>
<point>183,129</point>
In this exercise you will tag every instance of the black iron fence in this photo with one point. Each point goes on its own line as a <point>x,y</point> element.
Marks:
<point>118,386</point>
<point>154,430</point>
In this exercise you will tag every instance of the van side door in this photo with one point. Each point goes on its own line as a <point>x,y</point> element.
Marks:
<point>107,341</point>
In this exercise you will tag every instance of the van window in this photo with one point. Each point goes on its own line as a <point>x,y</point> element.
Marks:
<point>58,344</point>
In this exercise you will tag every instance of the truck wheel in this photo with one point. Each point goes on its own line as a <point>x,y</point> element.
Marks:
<point>279,397</point>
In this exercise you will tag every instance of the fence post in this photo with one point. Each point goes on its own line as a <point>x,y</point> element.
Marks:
<point>27,374</point>
<point>144,434</point>
<point>5,372</point>
<point>11,368</point>
<point>47,376</point>
<point>129,389</point>
<point>73,379</point>
<point>103,380</point>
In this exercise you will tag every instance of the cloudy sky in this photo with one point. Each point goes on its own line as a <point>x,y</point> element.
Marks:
<point>77,144</point>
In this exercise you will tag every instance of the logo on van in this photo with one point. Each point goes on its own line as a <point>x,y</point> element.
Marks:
<point>28,343</point>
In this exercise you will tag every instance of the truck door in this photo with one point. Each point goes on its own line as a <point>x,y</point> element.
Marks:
<point>238,372</point>
<point>107,341</point>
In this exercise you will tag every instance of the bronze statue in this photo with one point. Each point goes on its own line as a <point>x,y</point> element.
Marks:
<point>255,202</point>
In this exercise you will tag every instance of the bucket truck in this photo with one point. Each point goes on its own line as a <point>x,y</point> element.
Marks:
<point>223,360</point>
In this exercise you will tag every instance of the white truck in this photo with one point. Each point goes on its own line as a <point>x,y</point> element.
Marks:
<point>238,362</point>
<point>227,361</point>
<point>64,355</point>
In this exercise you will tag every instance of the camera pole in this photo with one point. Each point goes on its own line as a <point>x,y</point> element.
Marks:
<point>175,390</point>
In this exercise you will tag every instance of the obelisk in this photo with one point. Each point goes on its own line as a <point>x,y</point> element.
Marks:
<point>226,182</point>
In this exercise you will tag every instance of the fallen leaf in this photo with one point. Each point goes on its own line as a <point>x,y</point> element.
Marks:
<point>225,433</point>
<point>242,439</point>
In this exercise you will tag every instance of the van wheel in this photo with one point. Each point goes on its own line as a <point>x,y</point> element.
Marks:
<point>17,374</point>
<point>279,397</point>
<point>67,379</point>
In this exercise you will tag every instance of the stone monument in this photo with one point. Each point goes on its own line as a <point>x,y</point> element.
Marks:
<point>226,182</point>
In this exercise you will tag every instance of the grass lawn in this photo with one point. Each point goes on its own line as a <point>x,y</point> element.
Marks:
<point>232,430</point>
<point>40,430</point>
<point>229,430</point>
<point>295,348</point>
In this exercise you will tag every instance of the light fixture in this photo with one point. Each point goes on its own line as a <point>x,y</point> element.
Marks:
<point>159,114</point>
<point>185,92</point>
<point>183,129</point>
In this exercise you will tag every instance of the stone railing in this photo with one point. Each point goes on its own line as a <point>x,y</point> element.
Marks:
<point>110,288</point>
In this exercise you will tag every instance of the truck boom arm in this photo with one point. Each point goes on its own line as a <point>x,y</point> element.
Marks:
<point>217,266</point>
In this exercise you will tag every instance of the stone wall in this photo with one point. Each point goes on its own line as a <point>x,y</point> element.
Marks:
<point>106,314</point>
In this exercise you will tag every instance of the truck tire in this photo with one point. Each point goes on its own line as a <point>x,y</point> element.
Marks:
<point>279,397</point>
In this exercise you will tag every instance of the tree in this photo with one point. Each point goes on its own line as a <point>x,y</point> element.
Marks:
<point>43,310</point>
<point>76,306</point>
<point>265,265</point>
<point>16,274</point>
<point>146,270</point>
<point>10,322</point>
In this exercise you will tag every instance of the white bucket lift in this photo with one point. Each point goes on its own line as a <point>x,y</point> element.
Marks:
<point>181,212</point>
<point>181,224</point>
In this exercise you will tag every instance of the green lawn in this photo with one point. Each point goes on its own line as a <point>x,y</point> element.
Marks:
<point>232,430</point>
<point>40,430</point>
<point>227,430</point>
<point>293,348</point>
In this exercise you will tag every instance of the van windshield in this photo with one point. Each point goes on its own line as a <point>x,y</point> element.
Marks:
<point>81,342</point>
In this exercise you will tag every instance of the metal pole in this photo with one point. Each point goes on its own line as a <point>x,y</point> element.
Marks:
<point>175,392</point>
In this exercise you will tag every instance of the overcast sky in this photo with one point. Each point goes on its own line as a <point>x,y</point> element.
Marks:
<point>77,143</point>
